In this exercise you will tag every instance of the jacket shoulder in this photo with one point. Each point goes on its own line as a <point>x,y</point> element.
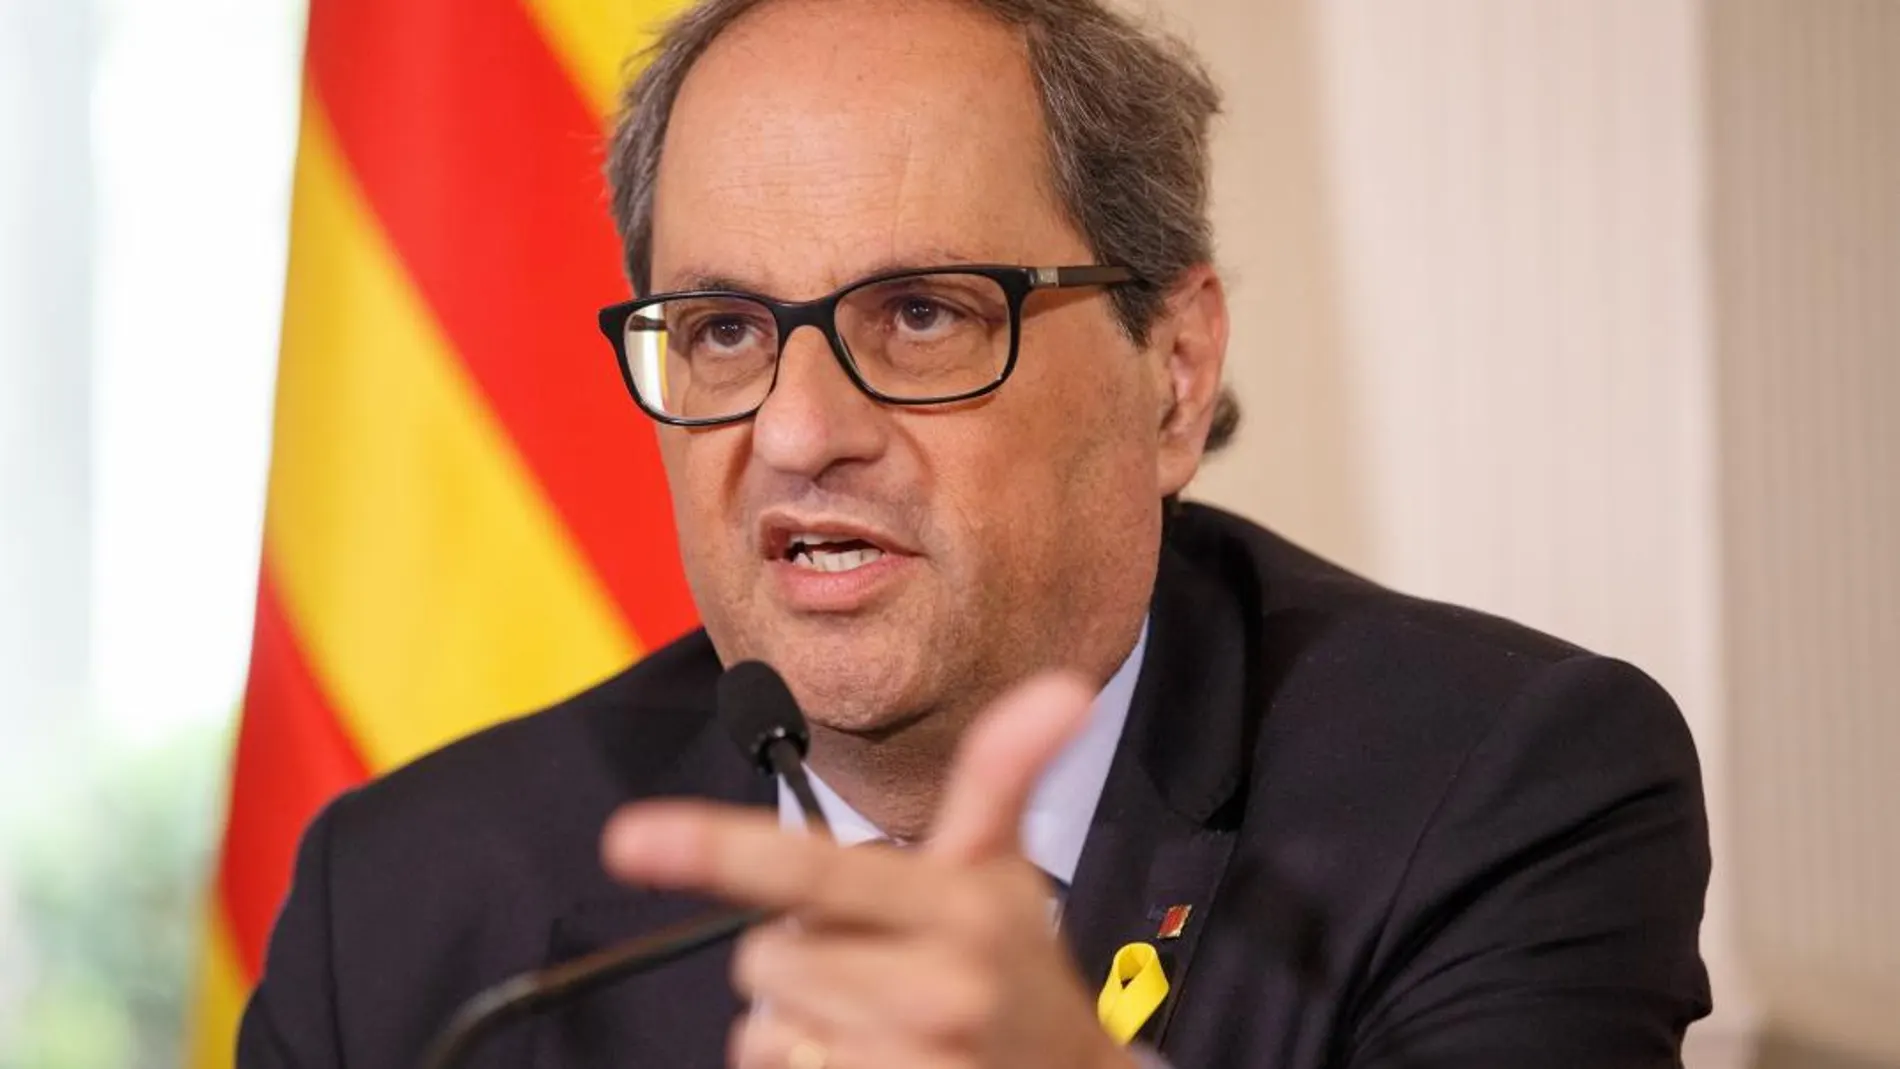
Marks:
<point>514,811</point>
<point>416,889</point>
<point>1375,704</point>
<point>1340,656</point>
<point>1489,840</point>
<point>1273,576</point>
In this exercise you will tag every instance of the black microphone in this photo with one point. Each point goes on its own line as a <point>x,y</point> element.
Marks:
<point>758,709</point>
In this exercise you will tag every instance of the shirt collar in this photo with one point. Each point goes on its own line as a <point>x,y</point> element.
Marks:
<point>1062,807</point>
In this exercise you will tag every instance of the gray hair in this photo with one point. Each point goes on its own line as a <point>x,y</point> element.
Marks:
<point>1127,111</point>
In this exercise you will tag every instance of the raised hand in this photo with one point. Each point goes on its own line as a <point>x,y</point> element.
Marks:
<point>935,958</point>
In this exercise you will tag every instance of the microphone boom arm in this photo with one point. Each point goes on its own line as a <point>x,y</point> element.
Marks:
<point>526,993</point>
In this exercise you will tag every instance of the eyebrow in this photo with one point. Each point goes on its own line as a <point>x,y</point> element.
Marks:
<point>707,280</point>
<point>694,277</point>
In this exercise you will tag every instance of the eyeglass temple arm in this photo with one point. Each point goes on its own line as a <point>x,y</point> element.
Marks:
<point>1091,275</point>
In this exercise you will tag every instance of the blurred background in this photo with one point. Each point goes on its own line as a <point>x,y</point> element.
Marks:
<point>1585,312</point>
<point>145,154</point>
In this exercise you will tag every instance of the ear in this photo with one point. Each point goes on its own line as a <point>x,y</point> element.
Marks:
<point>1189,343</point>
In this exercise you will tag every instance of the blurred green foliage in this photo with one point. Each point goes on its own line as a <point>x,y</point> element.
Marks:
<point>108,874</point>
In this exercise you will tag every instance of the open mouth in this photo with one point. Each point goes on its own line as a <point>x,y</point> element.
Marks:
<point>831,554</point>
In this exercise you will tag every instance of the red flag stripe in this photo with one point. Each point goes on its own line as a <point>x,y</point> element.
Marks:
<point>456,119</point>
<point>292,758</point>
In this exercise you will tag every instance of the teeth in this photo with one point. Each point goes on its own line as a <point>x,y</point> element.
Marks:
<point>819,559</point>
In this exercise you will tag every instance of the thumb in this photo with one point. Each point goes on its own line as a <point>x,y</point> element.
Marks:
<point>997,766</point>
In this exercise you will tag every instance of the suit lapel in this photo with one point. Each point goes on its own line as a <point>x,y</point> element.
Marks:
<point>678,1015</point>
<point>1166,824</point>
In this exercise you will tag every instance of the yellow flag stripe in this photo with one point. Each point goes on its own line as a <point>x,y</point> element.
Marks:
<point>221,994</point>
<point>595,38</point>
<point>432,586</point>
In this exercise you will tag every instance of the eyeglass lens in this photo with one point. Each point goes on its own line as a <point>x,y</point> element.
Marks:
<point>918,338</point>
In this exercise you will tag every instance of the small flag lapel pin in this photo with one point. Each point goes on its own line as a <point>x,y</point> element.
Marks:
<point>1173,921</point>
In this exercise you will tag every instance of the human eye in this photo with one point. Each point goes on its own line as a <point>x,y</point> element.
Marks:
<point>725,333</point>
<point>924,316</point>
<point>932,309</point>
<point>918,335</point>
<point>719,329</point>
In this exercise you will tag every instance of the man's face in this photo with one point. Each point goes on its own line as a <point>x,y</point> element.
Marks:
<point>812,145</point>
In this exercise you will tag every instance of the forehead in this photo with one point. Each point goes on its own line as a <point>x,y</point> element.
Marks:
<point>819,140</point>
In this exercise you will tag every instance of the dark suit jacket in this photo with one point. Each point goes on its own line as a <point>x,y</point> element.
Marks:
<point>1412,836</point>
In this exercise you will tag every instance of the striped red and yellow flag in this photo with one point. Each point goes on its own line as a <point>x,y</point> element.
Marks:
<point>466,514</point>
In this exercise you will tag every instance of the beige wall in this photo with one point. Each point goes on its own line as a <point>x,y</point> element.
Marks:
<point>1806,155</point>
<point>1479,335</point>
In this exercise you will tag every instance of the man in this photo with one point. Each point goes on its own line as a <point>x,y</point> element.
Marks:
<point>1355,829</point>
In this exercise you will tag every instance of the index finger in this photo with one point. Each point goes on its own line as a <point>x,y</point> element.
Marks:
<point>744,856</point>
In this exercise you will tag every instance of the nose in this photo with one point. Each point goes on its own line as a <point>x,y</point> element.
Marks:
<point>815,416</point>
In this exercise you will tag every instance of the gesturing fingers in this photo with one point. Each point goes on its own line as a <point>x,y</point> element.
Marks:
<point>745,857</point>
<point>775,1039</point>
<point>861,983</point>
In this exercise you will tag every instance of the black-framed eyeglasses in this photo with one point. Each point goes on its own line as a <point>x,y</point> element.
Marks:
<point>926,336</point>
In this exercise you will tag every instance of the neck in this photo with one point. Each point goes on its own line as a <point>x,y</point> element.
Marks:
<point>895,779</point>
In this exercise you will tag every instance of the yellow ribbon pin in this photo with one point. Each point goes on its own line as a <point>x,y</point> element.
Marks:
<point>1135,989</point>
